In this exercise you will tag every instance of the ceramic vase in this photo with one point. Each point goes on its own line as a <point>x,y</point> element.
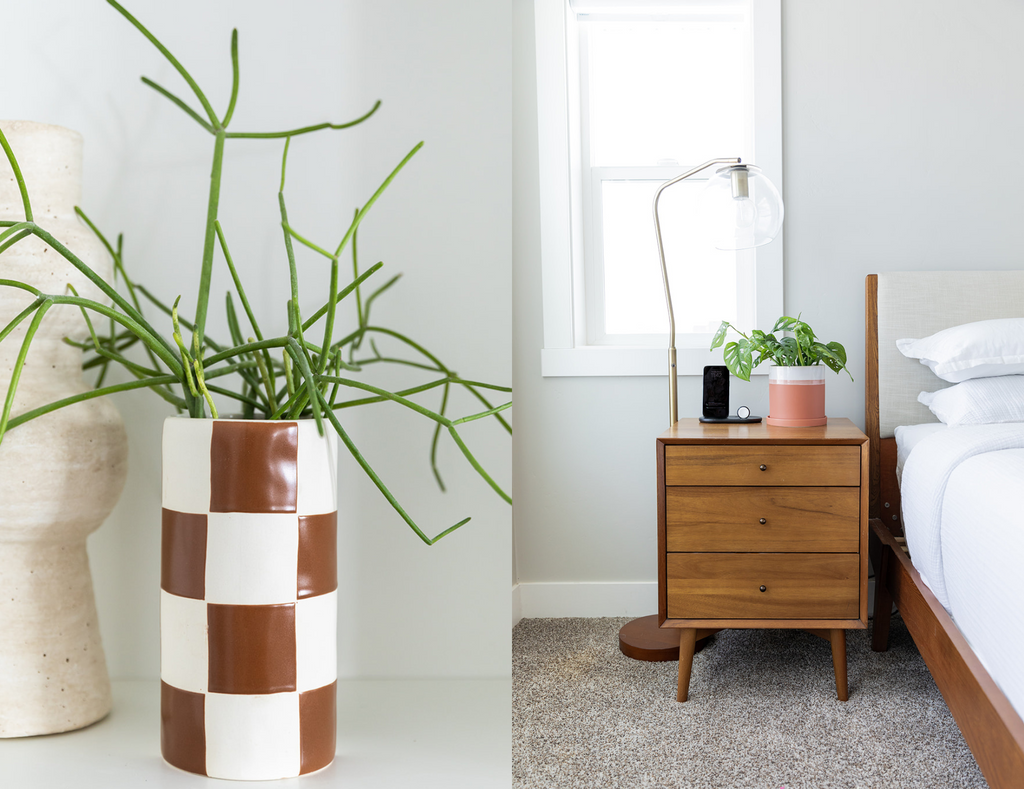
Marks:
<point>60,474</point>
<point>796,396</point>
<point>248,611</point>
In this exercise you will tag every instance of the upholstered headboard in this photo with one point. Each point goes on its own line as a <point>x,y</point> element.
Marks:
<point>920,303</point>
<point>916,304</point>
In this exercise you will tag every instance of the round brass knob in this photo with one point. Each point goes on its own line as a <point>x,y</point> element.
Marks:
<point>763,467</point>
<point>764,588</point>
<point>763,521</point>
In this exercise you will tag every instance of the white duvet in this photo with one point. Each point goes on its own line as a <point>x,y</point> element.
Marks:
<point>963,513</point>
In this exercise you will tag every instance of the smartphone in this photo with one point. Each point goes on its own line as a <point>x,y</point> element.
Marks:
<point>716,391</point>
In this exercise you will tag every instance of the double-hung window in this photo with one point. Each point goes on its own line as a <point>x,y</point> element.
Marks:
<point>631,94</point>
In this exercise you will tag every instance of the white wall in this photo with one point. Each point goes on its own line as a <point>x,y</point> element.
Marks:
<point>443,71</point>
<point>902,125</point>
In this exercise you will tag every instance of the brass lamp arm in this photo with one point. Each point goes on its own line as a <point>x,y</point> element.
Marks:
<point>673,400</point>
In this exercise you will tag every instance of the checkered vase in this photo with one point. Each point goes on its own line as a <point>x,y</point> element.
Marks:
<point>248,608</point>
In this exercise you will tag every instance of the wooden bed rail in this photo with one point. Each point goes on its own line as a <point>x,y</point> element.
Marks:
<point>991,727</point>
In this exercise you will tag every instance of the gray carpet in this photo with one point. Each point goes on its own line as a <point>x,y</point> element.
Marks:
<point>762,714</point>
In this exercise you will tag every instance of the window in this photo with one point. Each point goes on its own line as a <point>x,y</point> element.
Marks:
<point>630,95</point>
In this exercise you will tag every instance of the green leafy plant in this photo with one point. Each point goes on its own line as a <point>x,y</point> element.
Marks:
<point>306,373</point>
<point>802,349</point>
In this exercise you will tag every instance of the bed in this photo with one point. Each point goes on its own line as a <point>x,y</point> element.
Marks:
<point>961,614</point>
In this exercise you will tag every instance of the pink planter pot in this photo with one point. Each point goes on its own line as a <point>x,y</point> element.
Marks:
<point>796,396</point>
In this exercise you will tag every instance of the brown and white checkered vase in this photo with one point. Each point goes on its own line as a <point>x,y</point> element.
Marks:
<point>248,611</point>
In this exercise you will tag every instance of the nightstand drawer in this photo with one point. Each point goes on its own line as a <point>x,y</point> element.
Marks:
<point>820,520</point>
<point>797,586</point>
<point>700,464</point>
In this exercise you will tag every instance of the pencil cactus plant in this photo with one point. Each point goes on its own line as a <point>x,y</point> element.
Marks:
<point>305,373</point>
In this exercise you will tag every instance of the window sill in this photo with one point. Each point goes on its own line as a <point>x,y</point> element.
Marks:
<point>602,360</point>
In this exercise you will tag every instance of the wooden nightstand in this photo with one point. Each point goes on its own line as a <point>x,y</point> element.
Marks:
<point>762,526</point>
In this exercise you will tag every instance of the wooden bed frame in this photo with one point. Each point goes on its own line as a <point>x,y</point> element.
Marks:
<point>991,727</point>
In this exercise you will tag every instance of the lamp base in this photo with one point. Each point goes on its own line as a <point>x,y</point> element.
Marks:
<point>730,420</point>
<point>642,639</point>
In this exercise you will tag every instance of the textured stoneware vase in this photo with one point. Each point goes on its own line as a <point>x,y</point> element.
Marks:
<point>796,396</point>
<point>60,474</point>
<point>249,600</point>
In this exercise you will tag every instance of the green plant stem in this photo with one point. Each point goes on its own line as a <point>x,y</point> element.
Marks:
<point>236,338</point>
<point>203,299</point>
<point>208,341</point>
<point>389,396</point>
<point>482,414</point>
<point>19,364</point>
<point>237,280</point>
<point>307,243</point>
<point>10,242</point>
<point>24,228</point>
<point>25,202</point>
<point>289,381</point>
<point>302,130</point>
<point>341,295</point>
<point>16,321</point>
<point>139,330</point>
<point>249,347</point>
<point>375,294</point>
<point>234,79</point>
<point>150,339</point>
<point>178,103</point>
<point>332,306</point>
<point>265,375</point>
<point>355,272</point>
<point>476,465</point>
<point>369,204</point>
<point>90,395</point>
<point>380,484</point>
<point>404,362</point>
<point>171,59</point>
<point>239,397</point>
<point>402,393</point>
<point>118,270</point>
<point>435,440</point>
<point>298,354</point>
<point>471,387</point>
<point>410,343</point>
<point>111,293</point>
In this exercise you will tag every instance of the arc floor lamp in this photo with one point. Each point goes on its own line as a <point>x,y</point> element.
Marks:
<point>742,210</point>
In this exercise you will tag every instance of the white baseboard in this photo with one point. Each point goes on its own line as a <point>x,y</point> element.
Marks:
<point>517,605</point>
<point>535,600</point>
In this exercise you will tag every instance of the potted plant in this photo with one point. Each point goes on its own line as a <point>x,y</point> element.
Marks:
<point>796,380</point>
<point>248,576</point>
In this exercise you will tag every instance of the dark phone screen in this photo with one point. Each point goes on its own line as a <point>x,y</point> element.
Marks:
<point>716,392</point>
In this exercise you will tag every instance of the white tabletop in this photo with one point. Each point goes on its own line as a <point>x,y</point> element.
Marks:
<point>413,734</point>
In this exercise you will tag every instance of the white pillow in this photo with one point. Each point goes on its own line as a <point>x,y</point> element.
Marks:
<point>972,350</point>
<point>982,401</point>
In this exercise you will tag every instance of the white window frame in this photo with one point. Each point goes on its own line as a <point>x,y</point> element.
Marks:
<point>562,196</point>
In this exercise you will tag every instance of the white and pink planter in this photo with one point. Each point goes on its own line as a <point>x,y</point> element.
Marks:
<point>796,396</point>
<point>248,611</point>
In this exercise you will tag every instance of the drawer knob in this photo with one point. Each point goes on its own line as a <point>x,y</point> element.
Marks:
<point>763,467</point>
<point>762,521</point>
<point>764,588</point>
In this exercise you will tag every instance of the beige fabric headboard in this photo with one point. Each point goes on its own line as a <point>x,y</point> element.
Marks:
<point>919,303</point>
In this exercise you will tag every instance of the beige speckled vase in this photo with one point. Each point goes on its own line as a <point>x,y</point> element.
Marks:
<point>60,474</point>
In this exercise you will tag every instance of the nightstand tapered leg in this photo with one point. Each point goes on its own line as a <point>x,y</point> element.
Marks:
<point>687,641</point>
<point>838,639</point>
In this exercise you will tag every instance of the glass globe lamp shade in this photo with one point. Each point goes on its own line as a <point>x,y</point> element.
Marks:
<point>741,208</point>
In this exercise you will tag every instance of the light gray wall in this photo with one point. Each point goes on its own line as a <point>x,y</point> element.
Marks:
<point>443,71</point>
<point>902,132</point>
